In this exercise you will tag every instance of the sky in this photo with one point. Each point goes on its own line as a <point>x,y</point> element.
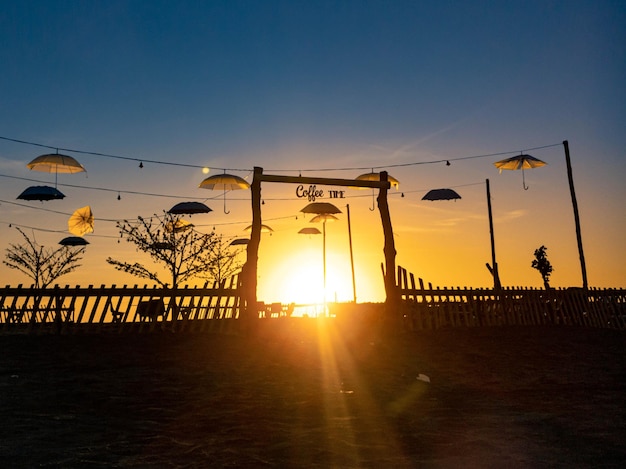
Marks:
<point>330,89</point>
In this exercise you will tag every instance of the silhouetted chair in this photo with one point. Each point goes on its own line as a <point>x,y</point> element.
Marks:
<point>276,310</point>
<point>261,309</point>
<point>150,309</point>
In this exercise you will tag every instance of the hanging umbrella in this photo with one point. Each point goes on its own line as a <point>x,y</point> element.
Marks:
<point>324,217</point>
<point>56,163</point>
<point>376,177</point>
<point>81,222</point>
<point>178,226</point>
<point>239,242</point>
<point>441,194</point>
<point>73,241</point>
<point>310,231</point>
<point>225,182</point>
<point>520,162</point>
<point>162,246</point>
<point>324,212</point>
<point>264,228</point>
<point>189,208</point>
<point>41,193</point>
<point>320,208</point>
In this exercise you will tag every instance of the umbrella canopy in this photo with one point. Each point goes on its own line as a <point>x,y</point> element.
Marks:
<point>320,208</point>
<point>310,231</point>
<point>225,182</point>
<point>56,163</point>
<point>324,217</point>
<point>189,208</point>
<point>73,241</point>
<point>178,226</point>
<point>239,241</point>
<point>81,222</point>
<point>163,246</point>
<point>520,162</point>
<point>41,193</point>
<point>376,177</point>
<point>441,194</point>
<point>264,228</point>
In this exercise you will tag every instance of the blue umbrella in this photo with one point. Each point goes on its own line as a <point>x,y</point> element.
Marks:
<point>189,208</point>
<point>73,241</point>
<point>41,193</point>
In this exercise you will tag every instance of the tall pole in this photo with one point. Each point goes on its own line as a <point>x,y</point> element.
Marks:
<point>351,255</point>
<point>579,239</point>
<point>324,255</point>
<point>251,265</point>
<point>494,264</point>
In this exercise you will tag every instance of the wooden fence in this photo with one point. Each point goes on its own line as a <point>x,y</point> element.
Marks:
<point>72,310</point>
<point>432,308</point>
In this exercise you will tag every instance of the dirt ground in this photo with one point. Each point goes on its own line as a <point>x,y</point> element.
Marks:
<point>310,394</point>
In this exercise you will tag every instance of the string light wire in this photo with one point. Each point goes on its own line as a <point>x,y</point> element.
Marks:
<point>445,160</point>
<point>355,168</point>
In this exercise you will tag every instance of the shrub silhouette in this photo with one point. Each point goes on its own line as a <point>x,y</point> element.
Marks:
<point>542,264</point>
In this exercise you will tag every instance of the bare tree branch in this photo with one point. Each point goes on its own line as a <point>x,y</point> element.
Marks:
<point>177,246</point>
<point>43,265</point>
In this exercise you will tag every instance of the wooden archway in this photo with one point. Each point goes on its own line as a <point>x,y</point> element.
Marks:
<point>249,280</point>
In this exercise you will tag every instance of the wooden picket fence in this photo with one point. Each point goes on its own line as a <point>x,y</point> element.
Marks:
<point>72,310</point>
<point>433,308</point>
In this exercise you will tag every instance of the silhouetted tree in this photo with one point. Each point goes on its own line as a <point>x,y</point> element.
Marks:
<point>225,263</point>
<point>176,245</point>
<point>43,265</point>
<point>542,264</point>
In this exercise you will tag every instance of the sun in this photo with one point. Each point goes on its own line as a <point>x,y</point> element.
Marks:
<point>299,278</point>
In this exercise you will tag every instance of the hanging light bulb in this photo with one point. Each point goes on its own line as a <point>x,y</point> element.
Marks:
<point>141,164</point>
<point>447,162</point>
<point>119,197</point>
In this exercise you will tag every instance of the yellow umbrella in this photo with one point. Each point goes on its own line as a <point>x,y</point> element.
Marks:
<point>178,226</point>
<point>264,228</point>
<point>225,182</point>
<point>376,177</point>
<point>81,222</point>
<point>56,163</point>
<point>520,162</point>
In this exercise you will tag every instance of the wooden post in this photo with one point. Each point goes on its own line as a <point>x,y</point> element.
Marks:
<point>389,249</point>
<point>251,266</point>
<point>579,239</point>
<point>494,269</point>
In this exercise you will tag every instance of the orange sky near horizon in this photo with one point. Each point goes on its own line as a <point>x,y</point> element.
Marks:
<point>445,243</point>
<point>324,89</point>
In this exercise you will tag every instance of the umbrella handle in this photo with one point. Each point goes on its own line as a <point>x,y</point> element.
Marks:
<point>524,181</point>
<point>226,212</point>
<point>373,206</point>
